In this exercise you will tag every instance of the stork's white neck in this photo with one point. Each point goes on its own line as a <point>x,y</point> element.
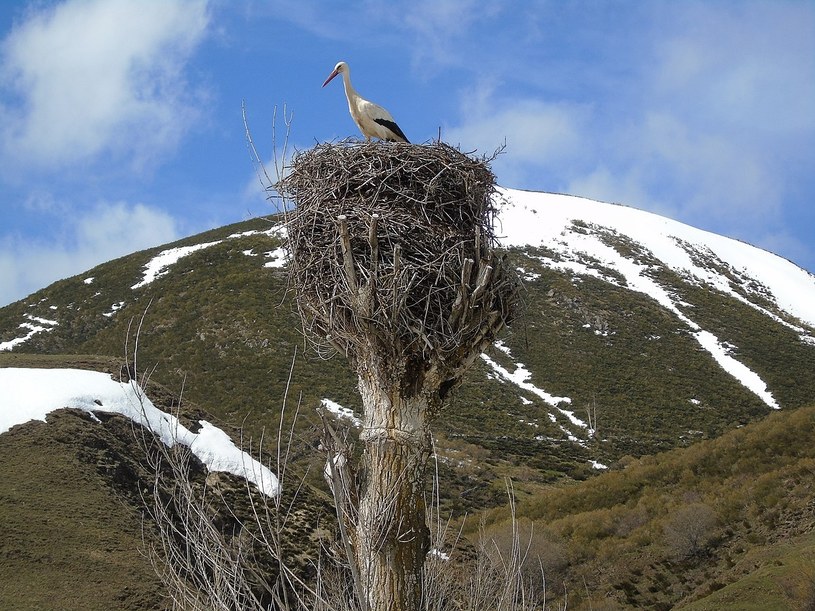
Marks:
<point>346,81</point>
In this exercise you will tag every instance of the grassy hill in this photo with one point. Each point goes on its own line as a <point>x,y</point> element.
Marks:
<point>222,327</point>
<point>219,326</point>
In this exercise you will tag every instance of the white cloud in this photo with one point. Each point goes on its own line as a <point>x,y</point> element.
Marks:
<point>750,65</point>
<point>119,228</point>
<point>108,231</point>
<point>536,133</point>
<point>91,77</point>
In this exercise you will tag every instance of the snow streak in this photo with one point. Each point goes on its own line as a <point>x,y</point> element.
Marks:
<point>581,250</point>
<point>31,394</point>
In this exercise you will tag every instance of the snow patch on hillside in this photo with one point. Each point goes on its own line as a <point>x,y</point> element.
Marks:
<point>583,252</point>
<point>31,394</point>
<point>547,219</point>
<point>42,324</point>
<point>520,377</point>
<point>160,264</point>
<point>341,412</point>
<point>278,231</point>
<point>277,258</point>
<point>114,308</point>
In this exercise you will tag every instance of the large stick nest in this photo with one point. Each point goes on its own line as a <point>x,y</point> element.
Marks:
<point>392,251</point>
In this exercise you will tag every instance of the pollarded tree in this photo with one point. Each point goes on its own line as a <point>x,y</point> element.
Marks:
<point>392,264</point>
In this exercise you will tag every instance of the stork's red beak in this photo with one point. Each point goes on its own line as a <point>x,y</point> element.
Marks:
<point>330,76</point>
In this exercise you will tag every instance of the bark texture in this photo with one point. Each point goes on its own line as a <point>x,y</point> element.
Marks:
<point>391,538</point>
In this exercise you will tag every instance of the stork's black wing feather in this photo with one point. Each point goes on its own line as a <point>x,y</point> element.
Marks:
<point>391,125</point>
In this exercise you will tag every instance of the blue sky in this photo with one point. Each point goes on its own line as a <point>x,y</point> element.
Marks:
<point>121,128</point>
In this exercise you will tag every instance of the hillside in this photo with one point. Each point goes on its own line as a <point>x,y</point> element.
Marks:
<point>71,514</point>
<point>669,334</point>
<point>637,335</point>
<point>79,484</point>
<point>725,524</point>
<point>664,333</point>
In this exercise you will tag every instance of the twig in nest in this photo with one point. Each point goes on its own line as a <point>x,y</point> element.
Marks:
<point>401,236</point>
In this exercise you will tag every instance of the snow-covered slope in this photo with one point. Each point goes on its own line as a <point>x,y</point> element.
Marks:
<point>548,220</point>
<point>31,394</point>
<point>578,237</point>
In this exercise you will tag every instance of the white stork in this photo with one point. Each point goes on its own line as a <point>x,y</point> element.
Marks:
<point>373,120</point>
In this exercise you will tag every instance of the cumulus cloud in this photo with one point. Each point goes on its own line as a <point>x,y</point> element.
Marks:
<point>90,77</point>
<point>107,231</point>
<point>537,134</point>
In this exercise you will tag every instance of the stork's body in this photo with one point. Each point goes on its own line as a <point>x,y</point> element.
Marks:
<point>373,120</point>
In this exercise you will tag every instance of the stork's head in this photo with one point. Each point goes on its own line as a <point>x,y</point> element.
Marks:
<point>338,69</point>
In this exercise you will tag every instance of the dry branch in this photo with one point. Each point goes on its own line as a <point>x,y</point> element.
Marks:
<point>408,230</point>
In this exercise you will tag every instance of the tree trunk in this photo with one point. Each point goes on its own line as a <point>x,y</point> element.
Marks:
<point>393,266</point>
<point>392,538</point>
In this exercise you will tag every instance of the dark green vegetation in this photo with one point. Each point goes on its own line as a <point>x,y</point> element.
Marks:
<point>221,327</point>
